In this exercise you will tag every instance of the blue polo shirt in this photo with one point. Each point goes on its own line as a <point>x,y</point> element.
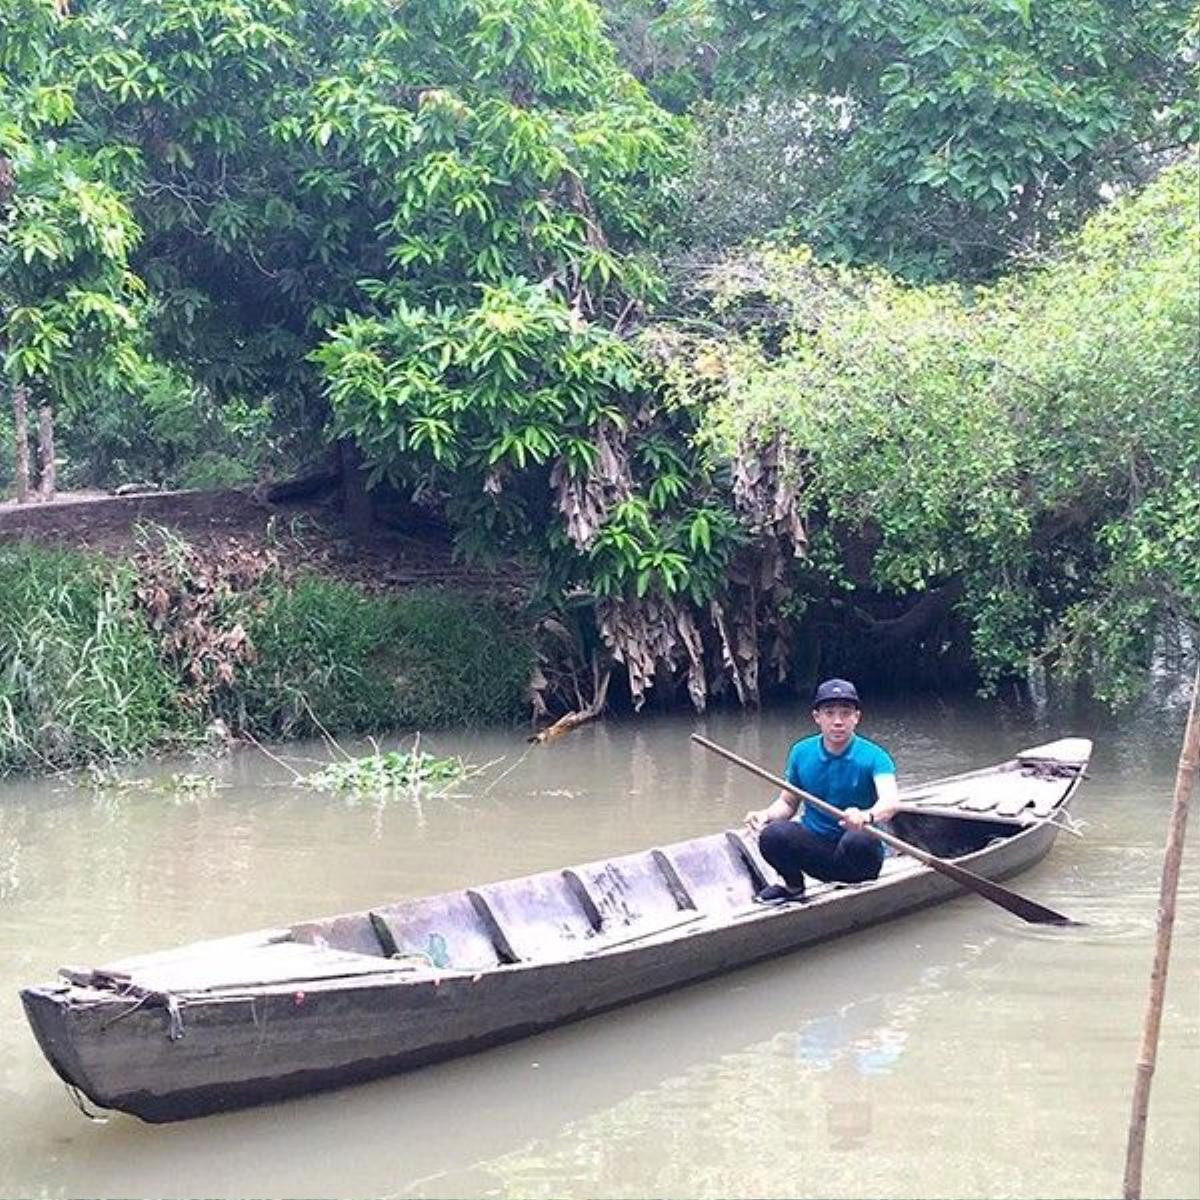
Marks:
<point>845,780</point>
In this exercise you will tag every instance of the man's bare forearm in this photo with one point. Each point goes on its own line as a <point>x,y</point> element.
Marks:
<point>887,802</point>
<point>782,808</point>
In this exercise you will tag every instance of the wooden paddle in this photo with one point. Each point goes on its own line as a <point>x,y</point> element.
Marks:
<point>1027,910</point>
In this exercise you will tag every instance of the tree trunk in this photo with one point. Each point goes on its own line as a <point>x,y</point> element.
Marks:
<point>356,500</point>
<point>20,402</point>
<point>48,482</point>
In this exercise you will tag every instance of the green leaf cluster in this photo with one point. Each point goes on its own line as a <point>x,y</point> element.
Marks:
<point>385,773</point>
<point>966,132</point>
<point>1035,445</point>
<point>271,172</point>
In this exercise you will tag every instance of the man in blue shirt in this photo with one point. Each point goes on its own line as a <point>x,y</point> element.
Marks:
<point>845,770</point>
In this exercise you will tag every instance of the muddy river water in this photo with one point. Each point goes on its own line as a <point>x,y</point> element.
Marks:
<point>951,1053</point>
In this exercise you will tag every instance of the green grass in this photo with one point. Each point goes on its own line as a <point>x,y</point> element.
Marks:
<point>330,657</point>
<point>80,675</point>
<point>458,661</point>
<point>85,680</point>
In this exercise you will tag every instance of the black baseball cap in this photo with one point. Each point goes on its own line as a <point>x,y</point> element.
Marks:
<point>836,690</point>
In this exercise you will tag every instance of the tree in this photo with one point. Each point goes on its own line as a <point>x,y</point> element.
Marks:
<point>971,131</point>
<point>70,306</point>
<point>297,164</point>
<point>1018,465</point>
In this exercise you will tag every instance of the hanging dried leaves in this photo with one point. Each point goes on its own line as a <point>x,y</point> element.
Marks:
<point>585,498</point>
<point>197,604</point>
<point>767,483</point>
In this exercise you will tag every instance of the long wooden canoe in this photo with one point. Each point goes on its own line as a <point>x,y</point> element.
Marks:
<point>241,1020</point>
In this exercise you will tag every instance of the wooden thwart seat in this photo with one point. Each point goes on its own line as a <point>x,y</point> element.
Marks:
<point>713,871</point>
<point>632,890</point>
<point>538,918</point>
<point>448,931</point>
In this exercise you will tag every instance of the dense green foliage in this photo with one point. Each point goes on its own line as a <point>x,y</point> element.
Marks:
<point>291,165</point>
<point>469,245</point>
<point>938,139</point>
<point>88,678</point>
<point>315,663</point>
<point>1033,450</point>
<point>71,307</point>
<point>330,658</point>
<point>456,661</point>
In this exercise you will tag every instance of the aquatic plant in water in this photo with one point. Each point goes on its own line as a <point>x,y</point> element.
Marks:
<point>386,771</point>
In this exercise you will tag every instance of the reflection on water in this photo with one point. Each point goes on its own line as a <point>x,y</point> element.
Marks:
<point>952,1053</point>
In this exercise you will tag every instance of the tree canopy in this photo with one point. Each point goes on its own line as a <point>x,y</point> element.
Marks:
<point>1029,453</point>
<point>494,249</point>
<point>289,164</point>
<point>939,139</point>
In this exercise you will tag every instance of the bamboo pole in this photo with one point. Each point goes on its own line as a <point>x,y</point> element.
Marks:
<point>1185,779</point>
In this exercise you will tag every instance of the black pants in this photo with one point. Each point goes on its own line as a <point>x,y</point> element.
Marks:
<point>795,851</point>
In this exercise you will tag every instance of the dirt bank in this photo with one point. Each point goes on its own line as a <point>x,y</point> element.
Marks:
<point>303,535</point>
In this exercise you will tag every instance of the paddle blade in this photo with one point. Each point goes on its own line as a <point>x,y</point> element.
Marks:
<point>1020,906</point>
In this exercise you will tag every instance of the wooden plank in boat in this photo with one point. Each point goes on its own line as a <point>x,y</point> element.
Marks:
<point>1069,751</point>
<point>449,930</point>
<point>644,932</point>
<point>1014,802</point>
<point>983,802</point>
<point>236,944</point>
<point>542,917</point>
<point>281,962</point>
<point>630,890</point>
<point>936,810</point>
<point>714,873</point>
<point>353,933</point>
<point>988,794</point>
<point>941,798</point>
<point>746,844</point>
<point>1046,797</point>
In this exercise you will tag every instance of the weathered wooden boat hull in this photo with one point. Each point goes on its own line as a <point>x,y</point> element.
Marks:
<point>165,1055</point>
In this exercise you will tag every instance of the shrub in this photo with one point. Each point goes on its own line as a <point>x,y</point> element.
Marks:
<point>316,645</point>
<point>212,470</point>
<point>457,661</point>
<point>329,656</point>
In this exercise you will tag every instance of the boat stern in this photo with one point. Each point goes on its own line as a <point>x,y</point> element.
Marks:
<point>47,1008</point>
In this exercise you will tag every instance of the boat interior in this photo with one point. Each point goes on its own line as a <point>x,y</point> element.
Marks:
<point>590,908</point>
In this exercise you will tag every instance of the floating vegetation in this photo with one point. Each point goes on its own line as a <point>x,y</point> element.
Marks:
<point>383,774</point>
<point>179,785</point>
<point>386,771</point>
<point>188,784</point>
<point>104,777</point>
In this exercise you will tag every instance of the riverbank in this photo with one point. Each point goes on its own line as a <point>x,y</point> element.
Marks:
<point>134,625</point>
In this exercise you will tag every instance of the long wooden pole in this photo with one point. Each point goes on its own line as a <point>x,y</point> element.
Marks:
<point>1021,906</point>
<point>1185,781</point>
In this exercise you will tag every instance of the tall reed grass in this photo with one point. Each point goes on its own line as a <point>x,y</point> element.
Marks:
<point>80,675</point>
